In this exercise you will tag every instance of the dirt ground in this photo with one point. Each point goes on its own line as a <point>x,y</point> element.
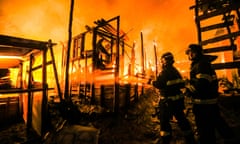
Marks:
<point>136,126</point>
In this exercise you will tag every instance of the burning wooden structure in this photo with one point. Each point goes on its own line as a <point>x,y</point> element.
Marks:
<point>218,31</point>
<point>99,74</point>
<point>27,98</point>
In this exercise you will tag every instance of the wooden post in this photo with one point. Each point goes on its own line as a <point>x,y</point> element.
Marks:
<point>44,93</point>
<point>142,53</point>
<point>66,93</point>
<point>116,101</point>
<point>20,85</point>
<point>143,59</point>
<point>156,62</point>
<point>133,60</point>
<point>197,21</point>
<point>29,111</point>
<point>55,70</point>
<point>94,62</point>
<point>122,59</point>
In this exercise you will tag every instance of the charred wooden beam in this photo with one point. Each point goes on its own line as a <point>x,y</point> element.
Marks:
<point>66,87</point>
<point>45,119</point>
<point>220,49</point>
<point>117,60</point>
<point>217,26</point>
<point>220,38</point>
<point>227,65</point>
<point>105,25</point>
<point>105,34</point>
<point>85,54</point>
<point>229,17</point>
<point>55,71</point>
<point>142,55</point>
<point>215,13</point>
<point>22,42</point>
<point>30,95</point>
<point>18,90</point>
<point>94,44</point>
<point>209,2</point>
<point>40,66</point>
<point>13,51</point>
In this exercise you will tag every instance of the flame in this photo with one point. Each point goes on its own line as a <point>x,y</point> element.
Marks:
<point>162,23</point>
<point>157,20</point>
<point>10,57</point>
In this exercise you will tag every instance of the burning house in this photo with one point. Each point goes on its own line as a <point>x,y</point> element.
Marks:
<point>24,81</point>
<point>101,70</point>
<point>99,73</point>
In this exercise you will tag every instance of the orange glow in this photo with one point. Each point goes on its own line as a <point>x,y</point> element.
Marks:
<point>169,23</point>
<point>9,61</point>
<point>10,57</point>
<point>164,21</point>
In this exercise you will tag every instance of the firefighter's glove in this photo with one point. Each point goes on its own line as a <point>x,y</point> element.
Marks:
<point>190,90</point>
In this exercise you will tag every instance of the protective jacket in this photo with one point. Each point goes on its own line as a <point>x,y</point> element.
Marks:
<point>169,82</point>
<point>203,78</point>
<point>205,106</point>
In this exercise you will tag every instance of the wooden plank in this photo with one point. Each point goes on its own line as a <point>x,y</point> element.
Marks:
<point>216,26</point>
<point>215,13</point>
<point>220,49</point>
<point>13,51</point>
<point>22,42</point>
<point>206,2</point>
<point>40,66</point>
<point>227,65</point>
<point>17,90</point>
<point>220,38</point>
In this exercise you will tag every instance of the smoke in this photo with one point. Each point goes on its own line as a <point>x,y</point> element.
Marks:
<point>168,22</point>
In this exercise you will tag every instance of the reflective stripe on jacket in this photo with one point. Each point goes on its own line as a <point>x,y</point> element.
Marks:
<point>169,82</point>
<point>175,81</point>
<point>208,77</point>
<point>204,79</point>
<point>177,97</point>
<point>205,101</point>
<point>164,133</point>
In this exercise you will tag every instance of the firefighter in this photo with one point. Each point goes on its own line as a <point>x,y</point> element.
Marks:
<point>203,89</point>
<point>169,83</point>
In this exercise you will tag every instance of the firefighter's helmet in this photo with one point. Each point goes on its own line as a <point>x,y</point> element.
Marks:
<point>168,58</point>
<point>196,48</point>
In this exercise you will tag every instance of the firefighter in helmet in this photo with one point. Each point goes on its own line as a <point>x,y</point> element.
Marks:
<point>169,83</point>
<point>203,89</point>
